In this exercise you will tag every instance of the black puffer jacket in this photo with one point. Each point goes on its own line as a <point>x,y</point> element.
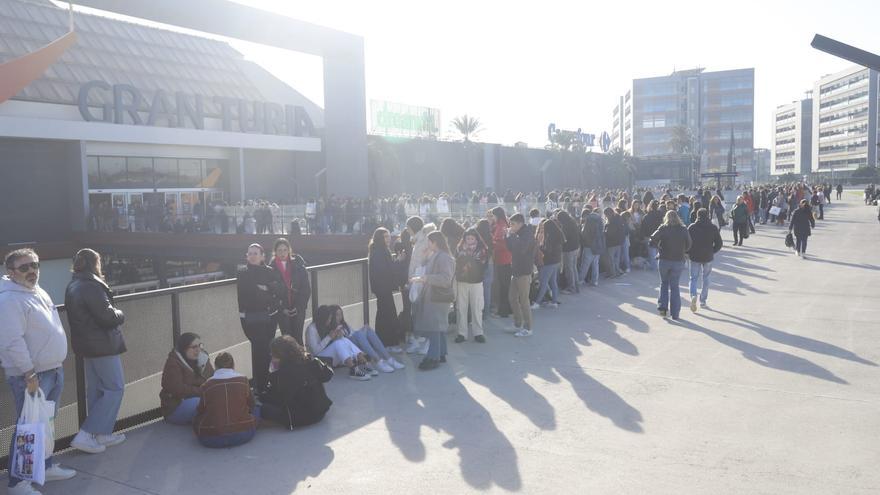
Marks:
<point>94,321</point>
<point>295,394</point>
<point>260,288</point>
<point>673,241</point>
<point>705,241</point>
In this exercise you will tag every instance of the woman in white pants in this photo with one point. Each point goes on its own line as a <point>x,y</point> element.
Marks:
<point>471,258</point>
<point>326,340</point>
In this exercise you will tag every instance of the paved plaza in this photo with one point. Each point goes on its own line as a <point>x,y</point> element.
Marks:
<point>775,389</point>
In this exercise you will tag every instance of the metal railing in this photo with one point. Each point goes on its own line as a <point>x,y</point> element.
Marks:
<point>154,321</point>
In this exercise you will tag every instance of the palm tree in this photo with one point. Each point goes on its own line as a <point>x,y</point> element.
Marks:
<point>622,160</point>
<point>467,126</point>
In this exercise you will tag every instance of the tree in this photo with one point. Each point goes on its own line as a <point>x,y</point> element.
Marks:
<point>622,160</point>
<point>467,126</point>
<point>682,140</point>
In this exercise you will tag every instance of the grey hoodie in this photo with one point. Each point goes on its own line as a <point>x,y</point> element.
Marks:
<point>31,334</point>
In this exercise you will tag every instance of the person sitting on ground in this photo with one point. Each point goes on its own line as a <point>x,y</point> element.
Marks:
<point>326,340</point>
<point>186,369</point>
<point>295,395</point>
<point>367,341</point>
<point>224,415</point>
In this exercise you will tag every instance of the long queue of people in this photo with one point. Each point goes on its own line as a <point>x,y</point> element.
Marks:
<point>501,266</point>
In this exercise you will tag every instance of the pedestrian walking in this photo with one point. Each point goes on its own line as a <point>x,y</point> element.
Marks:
<point>672,241</point>
<point>705,243</point>
<point>740,217</point>
<point>802,223</point>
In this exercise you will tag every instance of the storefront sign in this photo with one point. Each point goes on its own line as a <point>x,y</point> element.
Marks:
<point>584,140</point>
<point>396,119</point>
<point>185,110</point>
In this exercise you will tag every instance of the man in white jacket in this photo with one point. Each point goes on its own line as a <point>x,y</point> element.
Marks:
<point>33,346</point>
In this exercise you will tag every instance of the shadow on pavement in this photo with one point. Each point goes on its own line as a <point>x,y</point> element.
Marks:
<point>801,342</point>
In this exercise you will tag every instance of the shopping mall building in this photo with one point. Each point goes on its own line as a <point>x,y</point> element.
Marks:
<point>132,115</point>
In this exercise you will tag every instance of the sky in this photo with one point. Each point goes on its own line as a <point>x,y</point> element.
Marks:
<point>518,66</point>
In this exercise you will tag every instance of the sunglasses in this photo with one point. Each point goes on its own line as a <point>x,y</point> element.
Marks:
<point>26,267</point>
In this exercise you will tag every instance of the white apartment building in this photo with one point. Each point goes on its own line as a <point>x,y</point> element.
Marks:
<point>845,121</point>
<point>791,149</point>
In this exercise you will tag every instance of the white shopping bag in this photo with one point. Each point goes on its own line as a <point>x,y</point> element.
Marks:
<point>415,288</point>
<point>34,439</point>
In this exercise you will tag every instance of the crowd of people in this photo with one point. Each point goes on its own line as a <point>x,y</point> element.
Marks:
<point>456,274</point>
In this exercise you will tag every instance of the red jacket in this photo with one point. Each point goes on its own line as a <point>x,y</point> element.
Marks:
<point>499,238</point>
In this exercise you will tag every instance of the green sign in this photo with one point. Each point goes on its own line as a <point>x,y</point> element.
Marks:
<point>397,119</point>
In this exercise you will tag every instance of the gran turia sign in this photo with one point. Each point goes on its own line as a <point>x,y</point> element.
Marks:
<point>125,102</point>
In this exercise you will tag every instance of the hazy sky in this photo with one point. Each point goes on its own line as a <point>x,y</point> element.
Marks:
<point>521,65</point>
<point>518,65</point>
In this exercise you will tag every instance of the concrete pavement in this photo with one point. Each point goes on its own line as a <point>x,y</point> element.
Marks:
<point>775,389</point>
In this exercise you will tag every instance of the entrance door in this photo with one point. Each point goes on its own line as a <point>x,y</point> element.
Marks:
<point>136,212</point>
<point>120,210</point>
<point>100,212</point>
<point>187,202</point>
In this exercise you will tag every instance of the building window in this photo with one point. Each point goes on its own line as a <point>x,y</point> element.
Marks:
<point>166,172</point>
<point>140,173</point>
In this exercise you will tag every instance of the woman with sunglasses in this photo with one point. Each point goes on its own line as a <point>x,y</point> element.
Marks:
<point>186,369</point>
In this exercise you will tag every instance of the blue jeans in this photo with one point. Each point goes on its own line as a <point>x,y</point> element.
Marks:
<point>51,383</point>
<point>589,261</point>
<point>230,440</point>
<point>696,269</point>
<point>185,412</point>
<point>367,340</point>
<point>614,254</point>
<point>488,276</point>
<point>104,388</point>
<point>569,264</point>
<point>547,278</point>
<point>670,292</point>
<point>624,254</point>
<point>652,258</point>
<point>437,347</point>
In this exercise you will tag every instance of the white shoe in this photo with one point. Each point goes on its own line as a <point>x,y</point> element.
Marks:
<point>87,443</point>
<point>385,367</point>
<point>396,364</point>
<point>536,306</point>
<point>413,347</point>
<point>523,333</point>
<point>58,473</point>
<point>22,488</point>
<point>424,349</point>
<point>395,349</point>
<point>111,439</point>
<point>553,305</point>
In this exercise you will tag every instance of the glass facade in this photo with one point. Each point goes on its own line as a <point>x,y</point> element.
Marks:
<point>114,172</point>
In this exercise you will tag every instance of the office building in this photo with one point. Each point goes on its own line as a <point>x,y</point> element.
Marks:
<point>762,165</point>
<point>792,146</point>
<point>844,121</point>
<point>713,106</point>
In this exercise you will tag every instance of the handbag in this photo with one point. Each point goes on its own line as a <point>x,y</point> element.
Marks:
<point>789,240</point>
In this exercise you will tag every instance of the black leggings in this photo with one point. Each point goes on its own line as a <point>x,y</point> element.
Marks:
<point>800,243</point>
<point>740,232</point>
<point>503,273</point>
<point>387,326</point>
<point>261,336</point>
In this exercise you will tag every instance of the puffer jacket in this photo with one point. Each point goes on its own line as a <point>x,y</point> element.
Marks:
<point>94,321</point>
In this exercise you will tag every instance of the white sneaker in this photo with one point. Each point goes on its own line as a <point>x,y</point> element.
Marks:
<point>396,364</point>
<point>536,306</point>
<point>58,473</point>
<point>22,488</point>
<point>111,439</point>
<point>385,367</point>
<point>553,305</point>
<point>424,348</point>
<point>523,333</point>
<point>368,369</point>
<point>87,443</point>
<point>413,347</point>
